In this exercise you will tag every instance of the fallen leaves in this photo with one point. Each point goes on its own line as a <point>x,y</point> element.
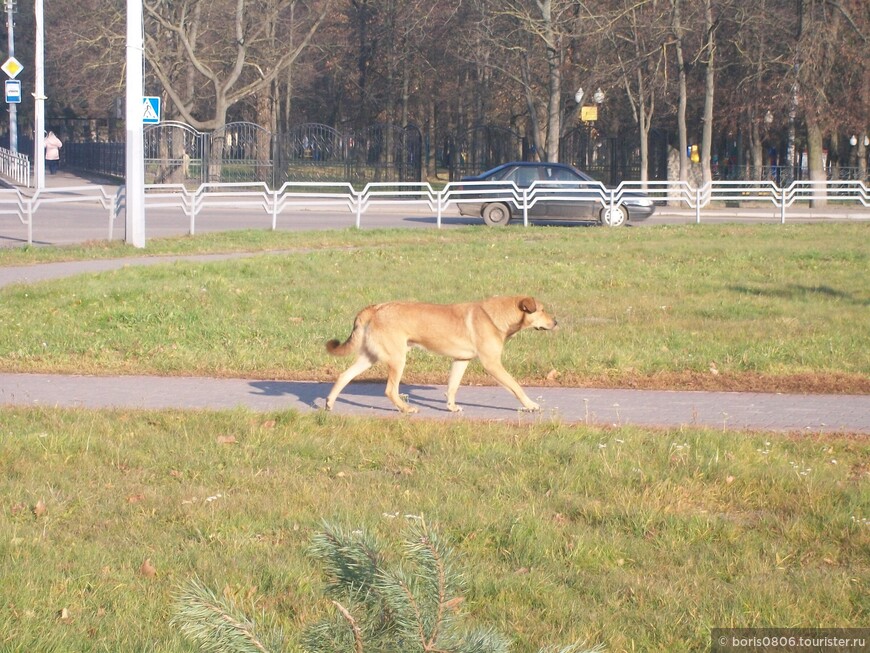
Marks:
<point>147,569</point>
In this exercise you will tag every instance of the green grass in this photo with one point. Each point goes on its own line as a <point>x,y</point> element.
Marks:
<point>642,540</point>
<point>735,307</point>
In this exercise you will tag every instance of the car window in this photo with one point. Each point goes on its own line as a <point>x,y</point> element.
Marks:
<point>560,174</point>
<point>524,175</point>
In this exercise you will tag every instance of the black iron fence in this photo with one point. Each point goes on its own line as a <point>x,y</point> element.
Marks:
<point>176,153</point>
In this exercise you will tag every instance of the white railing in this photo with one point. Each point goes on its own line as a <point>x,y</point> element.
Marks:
<point>690,202</point>
<point>26,207</point>
<point>15,166</point>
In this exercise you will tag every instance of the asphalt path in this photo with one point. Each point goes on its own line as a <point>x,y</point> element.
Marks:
<point>808,414</point>
<point>670,409</point>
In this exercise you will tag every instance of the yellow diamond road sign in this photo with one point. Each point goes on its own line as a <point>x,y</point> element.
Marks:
<point>12,67</point>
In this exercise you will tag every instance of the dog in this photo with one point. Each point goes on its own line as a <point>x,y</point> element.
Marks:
<point>385,332</point>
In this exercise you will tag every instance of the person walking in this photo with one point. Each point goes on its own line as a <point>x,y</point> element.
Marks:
<point>52,152</point>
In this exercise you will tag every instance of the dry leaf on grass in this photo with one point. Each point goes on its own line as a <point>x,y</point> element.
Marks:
<point>147,569</point>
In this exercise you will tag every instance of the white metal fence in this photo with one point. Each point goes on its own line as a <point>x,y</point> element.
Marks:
<point>15,166</point>
<point>257,198</point>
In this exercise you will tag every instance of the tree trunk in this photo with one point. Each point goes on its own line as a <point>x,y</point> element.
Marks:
<point>709,93</point>
<point>756,148</point>
<point>815,153</point>
<point>554,81</point>
<point>684,94</point>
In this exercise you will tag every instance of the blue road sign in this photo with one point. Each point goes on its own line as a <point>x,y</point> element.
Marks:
<point>151,110</point>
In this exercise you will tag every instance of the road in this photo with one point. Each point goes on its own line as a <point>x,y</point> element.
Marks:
<point>82,218</point>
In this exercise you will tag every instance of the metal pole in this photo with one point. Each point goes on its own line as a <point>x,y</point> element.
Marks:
<point>39,99</point>
<point>135,151</point>
<point>13,107</point>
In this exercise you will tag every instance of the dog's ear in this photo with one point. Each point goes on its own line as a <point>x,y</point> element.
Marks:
<point>528,305</point>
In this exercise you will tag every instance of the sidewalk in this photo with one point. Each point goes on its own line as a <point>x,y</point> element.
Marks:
<point>807,414</point>
<point>63,179</point>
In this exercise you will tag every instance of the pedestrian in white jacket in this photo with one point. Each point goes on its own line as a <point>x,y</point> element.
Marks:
<point>52,152</point>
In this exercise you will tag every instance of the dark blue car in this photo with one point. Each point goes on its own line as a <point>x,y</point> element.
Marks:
<point>561,192</point>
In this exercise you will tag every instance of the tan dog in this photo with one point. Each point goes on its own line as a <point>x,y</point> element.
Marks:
<point>385,332</point>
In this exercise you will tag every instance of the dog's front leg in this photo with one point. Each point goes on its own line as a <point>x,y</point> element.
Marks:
<point>500,374</point>
<point>457,370</point>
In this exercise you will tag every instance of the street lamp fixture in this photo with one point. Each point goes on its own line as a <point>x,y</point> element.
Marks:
<point>768,118</point>
<point>578,96</point>
<point>853,141</point>
<point>598,96</point>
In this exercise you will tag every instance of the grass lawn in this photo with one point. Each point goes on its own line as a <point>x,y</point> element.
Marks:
<point>770,307</point>
<point>642,540</point>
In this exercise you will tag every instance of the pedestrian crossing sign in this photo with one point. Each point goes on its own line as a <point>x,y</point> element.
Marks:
<point>151,111</point>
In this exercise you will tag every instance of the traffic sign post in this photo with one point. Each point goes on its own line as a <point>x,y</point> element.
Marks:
<point>12,67</point>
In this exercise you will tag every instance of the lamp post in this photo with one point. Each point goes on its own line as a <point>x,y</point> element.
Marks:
<point>39,96</point>
<point>135,148</point>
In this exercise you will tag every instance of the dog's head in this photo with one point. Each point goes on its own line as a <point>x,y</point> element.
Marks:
<point>534,315</point>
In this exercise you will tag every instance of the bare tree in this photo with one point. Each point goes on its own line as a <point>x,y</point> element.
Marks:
<point>638,32</point>
<point>230,47</point>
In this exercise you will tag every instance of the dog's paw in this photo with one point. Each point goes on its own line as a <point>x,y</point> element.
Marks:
<point>533,408</point>
<point>453,408</point>
<point>409,410</point>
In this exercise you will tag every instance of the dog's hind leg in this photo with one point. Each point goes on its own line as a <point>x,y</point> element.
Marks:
<point>396,366</point>
<point>360,365</point>
<point>457,370</point>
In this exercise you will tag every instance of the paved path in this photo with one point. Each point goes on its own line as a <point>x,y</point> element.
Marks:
<point>806,413</point>
<point>729,410</point>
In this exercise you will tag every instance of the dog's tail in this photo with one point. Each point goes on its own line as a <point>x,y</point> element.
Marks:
<point>354,340</point>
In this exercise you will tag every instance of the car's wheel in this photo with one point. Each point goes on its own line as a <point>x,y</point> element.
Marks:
<point>496,215</point>
<point>616,217</point>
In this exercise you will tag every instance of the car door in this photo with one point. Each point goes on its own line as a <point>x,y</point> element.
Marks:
<point>578,195</point>
<point>524,177</point>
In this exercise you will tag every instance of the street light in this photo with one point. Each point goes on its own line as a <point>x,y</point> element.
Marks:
<point>598,96</point>
<point>578,96</point>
